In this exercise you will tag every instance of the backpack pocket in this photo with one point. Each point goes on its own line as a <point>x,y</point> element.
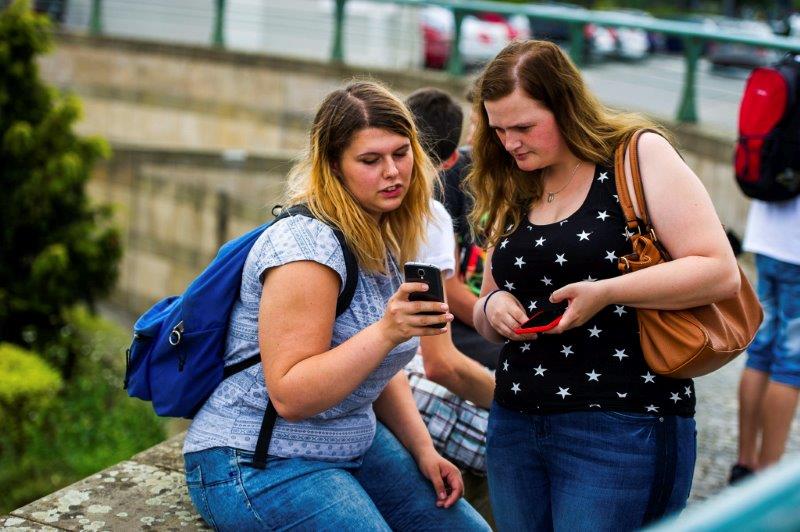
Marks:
<point>188,371</point>
<point>135,357</point>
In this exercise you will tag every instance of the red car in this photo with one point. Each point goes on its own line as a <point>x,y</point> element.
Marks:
<point>482,35</point>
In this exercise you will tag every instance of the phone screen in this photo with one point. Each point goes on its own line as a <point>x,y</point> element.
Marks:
<point>418,272</point>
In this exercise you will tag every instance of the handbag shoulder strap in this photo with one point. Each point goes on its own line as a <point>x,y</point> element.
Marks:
<point>623,192</point>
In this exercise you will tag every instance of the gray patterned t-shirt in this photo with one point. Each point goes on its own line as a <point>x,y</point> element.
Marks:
<point>232,416</point>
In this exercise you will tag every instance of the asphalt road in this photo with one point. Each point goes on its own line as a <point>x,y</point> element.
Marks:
<point>654,86</point>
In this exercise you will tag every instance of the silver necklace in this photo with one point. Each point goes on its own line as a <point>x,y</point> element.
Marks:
<point>552,195</point>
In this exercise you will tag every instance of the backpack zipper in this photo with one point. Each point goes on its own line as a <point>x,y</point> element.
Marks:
<point>174,339</point>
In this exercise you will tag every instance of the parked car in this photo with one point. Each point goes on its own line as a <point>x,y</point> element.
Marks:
<point>600,42</point>
<point>482,35</point>
<point>631,43</point>
<point>674,43</point>
<point>727,55</point>
<point>617,43</point>
<point>793,25</point>
<point>554,30</point>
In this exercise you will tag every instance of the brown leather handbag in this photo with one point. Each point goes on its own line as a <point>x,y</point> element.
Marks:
<point>681,343</point>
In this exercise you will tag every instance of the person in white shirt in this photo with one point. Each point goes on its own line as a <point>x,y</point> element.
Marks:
<point>443,362</point>
<point>452,391</point>
<point>768,391</point>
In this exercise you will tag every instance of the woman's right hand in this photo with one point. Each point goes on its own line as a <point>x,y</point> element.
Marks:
<point>505,313</point>
<point>402,319</point>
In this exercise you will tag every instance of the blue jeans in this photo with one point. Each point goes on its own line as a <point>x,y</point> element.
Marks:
<point>383,490</point>
<point>587,470</point>
<point>776,348</point>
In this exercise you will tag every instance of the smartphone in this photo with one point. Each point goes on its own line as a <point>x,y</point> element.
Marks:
<point>543,320</point>
<point>419,272</point>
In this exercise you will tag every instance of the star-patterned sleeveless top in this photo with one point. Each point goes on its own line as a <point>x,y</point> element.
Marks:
<point>598,365</point>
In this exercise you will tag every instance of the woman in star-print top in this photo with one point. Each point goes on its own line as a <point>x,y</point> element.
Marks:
<point>582,434</point>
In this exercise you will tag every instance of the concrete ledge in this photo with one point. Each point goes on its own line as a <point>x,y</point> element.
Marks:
<point>404,80</point>
<point>147,492</point>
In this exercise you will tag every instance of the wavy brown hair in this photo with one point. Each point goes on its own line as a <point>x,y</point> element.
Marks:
<point>342,114</point>
<point>590,130</point>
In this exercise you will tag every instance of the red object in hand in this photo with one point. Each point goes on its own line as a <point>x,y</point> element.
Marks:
<point>541,321</point>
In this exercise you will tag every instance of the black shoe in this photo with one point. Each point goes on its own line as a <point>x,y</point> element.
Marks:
<point>739,473</point>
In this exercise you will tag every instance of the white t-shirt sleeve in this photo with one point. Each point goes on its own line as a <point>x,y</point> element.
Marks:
<point>439,249</point>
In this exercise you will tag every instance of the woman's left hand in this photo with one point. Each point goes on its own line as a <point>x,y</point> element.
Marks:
<point>445,477</point>
<point>585,299</point>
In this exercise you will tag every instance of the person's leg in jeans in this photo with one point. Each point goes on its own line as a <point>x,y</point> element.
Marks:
<point>780,399</point>
<point>290,494</point>
<point>617,470</point>
<point>405,498</point>
<point>755,376</point>
<point>518,483</point>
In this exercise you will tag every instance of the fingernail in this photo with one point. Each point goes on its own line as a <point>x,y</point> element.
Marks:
<point>442,495</point>
<point>444,307</point>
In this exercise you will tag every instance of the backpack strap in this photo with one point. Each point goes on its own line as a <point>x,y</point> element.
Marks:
<point>350,261</point>
<point>342,304</point>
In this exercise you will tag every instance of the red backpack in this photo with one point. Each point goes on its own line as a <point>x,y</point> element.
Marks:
<point>767,158</point>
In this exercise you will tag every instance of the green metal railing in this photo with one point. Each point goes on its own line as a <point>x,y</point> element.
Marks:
<point>693,35</point>
<point>768,502</point>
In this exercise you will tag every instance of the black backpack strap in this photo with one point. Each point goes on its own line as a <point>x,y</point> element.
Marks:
<point>350,283</point>
<point>242,365</point>
<point>342,304</point>
<point>265,436</point>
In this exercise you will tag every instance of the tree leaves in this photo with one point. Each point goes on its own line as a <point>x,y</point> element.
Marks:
<point>57,249</point>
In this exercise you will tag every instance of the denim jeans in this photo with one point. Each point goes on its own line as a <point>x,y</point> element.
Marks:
<point>776,347</point>
<point>383,490</point>
<point>587,470</point>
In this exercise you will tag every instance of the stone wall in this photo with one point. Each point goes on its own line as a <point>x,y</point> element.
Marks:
<point>186,97</point>
<point>175,208</point>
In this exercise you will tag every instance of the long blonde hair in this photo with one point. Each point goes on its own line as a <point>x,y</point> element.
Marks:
<point>342,114</point>
<point>590,130</point>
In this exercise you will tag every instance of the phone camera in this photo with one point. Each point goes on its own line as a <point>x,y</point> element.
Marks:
<point>421,273</point>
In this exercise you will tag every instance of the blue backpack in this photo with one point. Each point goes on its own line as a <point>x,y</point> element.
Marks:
<point>176,358</point>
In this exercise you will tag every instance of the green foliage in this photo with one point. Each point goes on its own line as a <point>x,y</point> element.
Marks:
<point>58,252</point>
<point>57,249</point>
<point>25,380</point>
<point>90,424</point>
